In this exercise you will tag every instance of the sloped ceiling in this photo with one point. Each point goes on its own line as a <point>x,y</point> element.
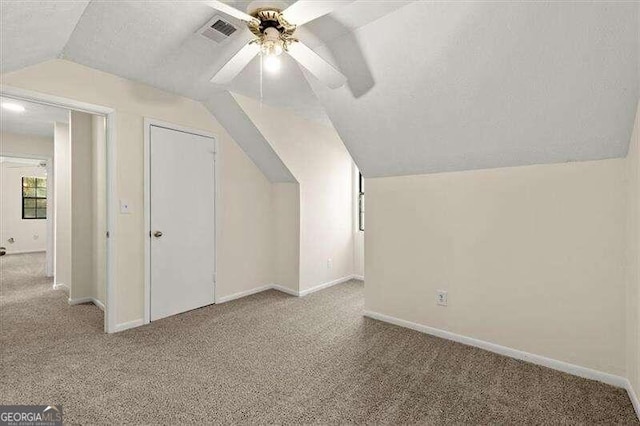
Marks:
<point>35,31</point>
<point>157,43</point>
<point>470,85</point>
<point>433,86</point>
<point>233,118</point>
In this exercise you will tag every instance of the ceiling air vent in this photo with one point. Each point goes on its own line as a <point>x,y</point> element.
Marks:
<point>217,29</point>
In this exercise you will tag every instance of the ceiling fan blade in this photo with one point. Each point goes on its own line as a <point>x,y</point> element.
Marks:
<point>317,66</point>
<point>304,11</point>
<point>231,11</point>
<point>236,64</point>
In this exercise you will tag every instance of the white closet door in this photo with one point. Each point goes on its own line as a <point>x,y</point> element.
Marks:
<point>182,190</point>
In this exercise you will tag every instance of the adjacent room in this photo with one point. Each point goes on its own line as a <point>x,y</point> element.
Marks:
<point>52,211</point>
<point>329,212</point>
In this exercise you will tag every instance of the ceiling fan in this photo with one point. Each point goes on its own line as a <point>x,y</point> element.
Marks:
<point>274,30</point>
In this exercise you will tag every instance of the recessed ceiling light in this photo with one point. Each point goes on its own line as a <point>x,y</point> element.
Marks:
<point>13,107</point>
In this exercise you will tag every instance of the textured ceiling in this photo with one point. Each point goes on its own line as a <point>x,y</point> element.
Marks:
<point>474,85</point>
<point>156,43</point>
<point>432,86</point>
<point>35,31</point>
<point>37,119</point>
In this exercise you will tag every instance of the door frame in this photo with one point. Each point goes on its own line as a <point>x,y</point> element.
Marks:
<point>111,169</point>
<point>148,122</point>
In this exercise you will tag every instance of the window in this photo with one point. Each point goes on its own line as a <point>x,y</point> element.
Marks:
<point>34,198</point>
<point>361,202</point>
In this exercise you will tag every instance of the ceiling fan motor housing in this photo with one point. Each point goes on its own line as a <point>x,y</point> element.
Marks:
<point>271,28</point>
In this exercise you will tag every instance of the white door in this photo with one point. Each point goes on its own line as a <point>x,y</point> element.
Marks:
<point>182,197</point>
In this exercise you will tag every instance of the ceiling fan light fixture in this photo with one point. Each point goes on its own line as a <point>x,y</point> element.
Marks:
<point>271,63</point>
<point>272,47</point>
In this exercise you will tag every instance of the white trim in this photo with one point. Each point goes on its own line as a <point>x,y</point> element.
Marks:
<point>61,286</point>
<point>633,397</point>
<point>148,122</point>
<point>110,114</point>
<point>98,303</point>
<point>57,101</point>
<point>127,325</point>
<point>286,290</point>
<point>244,293</point>
<point>9,253</point>
<point>326,285</point>
<point>576,370</point>
<point>358,277</point>
<point>147,221</point>
<point>112,205</point>
<point>51,219</point>
<point>81,300</point>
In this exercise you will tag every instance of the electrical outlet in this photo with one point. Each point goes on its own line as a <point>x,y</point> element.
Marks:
<point>329,263</point>
<point>441,297</point>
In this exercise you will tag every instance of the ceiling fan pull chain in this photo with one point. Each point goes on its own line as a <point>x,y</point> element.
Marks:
<point>261,78</point>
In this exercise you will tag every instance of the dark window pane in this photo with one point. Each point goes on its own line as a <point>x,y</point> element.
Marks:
<point>29,213</point>
<point>42,213</point>
<point>41,203</point>
<point>29,203</point>
<point>28,192</point>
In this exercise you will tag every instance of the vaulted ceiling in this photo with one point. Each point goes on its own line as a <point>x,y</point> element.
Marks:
<point>470,85</point>
<point>432,86</point>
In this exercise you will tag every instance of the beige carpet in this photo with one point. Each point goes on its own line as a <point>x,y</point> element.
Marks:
<point>269,358</point>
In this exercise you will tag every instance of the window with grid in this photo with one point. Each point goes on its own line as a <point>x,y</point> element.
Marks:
<point>34,198</point>
<point>361,203</point>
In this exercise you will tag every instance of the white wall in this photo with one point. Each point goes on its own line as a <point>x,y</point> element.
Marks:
<point>99,206</point>
<point>244,233</point>
<point>633,259</point>
<point>286,217</point>
<point>17,144</point>
<point>62,205</point>
<point>82,224</point>
<point>316,156</point>
<point>532,257</point>
<point>30,235</point>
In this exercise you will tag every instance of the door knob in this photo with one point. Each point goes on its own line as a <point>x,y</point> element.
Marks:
<point>157,234</point>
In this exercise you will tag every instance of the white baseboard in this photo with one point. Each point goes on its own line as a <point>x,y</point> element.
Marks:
<point>576,370</point>
<point>358,277</point>
<point>98,303</point>
<point>9,253</point>
<point>285,290</point>
<point>61,286</point>
<point>81,300</point>
<point>127,325</point>
<point>326,285</point>
<point>235,296</point>
<point>634,398</point>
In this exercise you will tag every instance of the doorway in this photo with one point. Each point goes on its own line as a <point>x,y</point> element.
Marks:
<point>56,213</point>
<point>180,205</point>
